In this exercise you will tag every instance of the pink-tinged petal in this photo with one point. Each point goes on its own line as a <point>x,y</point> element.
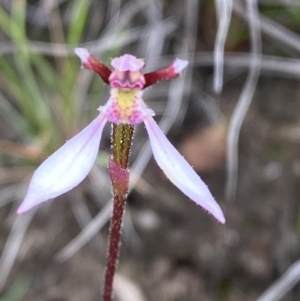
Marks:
<point>89,62</point>
<point>67,167</point>
<point>179,171</point>
<point>168,73</point>
<point>179,65</point>
<point>83,54</point>
<point>127,62</point>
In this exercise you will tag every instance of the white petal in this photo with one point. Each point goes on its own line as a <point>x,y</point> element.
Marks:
<point>179,65</point>
<point>67,167</point>
<point>178,170</point>
<point>83,54</point>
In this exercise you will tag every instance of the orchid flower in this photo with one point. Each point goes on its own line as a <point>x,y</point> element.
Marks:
<point>70,164</point>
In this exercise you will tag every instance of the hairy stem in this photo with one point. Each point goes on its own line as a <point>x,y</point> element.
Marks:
<point>121,139</point>
<point>114,245</point>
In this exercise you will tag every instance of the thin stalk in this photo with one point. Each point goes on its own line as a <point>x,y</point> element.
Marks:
<point>114,245</point>
<point>122,136</point>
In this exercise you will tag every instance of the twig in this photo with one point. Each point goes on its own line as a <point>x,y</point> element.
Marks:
<point>283,285</point>
<point>86,234</point>
<point>224,10</point>
<point>270,65</point>
<point>244,101</point>
<point>13,244</point>
<point>271,28</point>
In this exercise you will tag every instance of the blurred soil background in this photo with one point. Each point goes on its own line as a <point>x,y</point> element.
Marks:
<point>239,127</point>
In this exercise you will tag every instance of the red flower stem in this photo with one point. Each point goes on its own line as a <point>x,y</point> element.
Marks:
<point>122,136</point>
<point>114,245</point>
